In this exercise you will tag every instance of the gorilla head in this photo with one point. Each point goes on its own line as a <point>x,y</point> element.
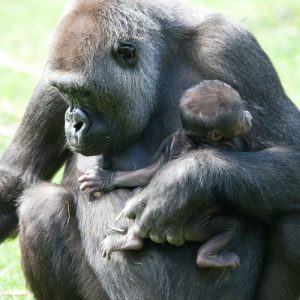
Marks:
<point>107,67</point>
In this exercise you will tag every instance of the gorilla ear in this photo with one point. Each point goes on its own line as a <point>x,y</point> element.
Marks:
<point>213,136</point>
<point>125,54</point>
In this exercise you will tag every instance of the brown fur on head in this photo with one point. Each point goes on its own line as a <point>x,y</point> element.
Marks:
<point>213,109</point>
<point>83,65</point>
<point>90,25</point>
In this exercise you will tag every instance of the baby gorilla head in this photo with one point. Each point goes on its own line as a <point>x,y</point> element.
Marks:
<point>214,110</point>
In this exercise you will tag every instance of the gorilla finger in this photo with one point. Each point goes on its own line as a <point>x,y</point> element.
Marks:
<point>176,237</point>
<point>157,237</point>
<point>134,207</point>
<point>85,178</point>
<point>82,178</point>
<point>129,214</point>
<point>86,185</point>
<point>147,216</point>
<point>144,224</point>
<point>82,187</point>
<point>142,231</point>
<point>130,211</point>
<point>176,241</point>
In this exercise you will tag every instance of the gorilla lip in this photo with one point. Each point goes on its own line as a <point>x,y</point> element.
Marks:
<point>77,148</point>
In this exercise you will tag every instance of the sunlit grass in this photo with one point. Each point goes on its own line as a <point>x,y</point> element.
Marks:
<point>277,28</point>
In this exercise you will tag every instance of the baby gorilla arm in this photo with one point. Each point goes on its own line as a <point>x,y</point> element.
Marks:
<point>99,180</point>
<point>136,178</point>
<point>262,183</point>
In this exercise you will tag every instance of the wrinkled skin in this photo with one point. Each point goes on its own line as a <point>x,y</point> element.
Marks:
<point>121,67</point>
<point>96,180</point>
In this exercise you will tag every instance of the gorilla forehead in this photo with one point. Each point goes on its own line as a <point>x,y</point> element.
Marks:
<point>88,26</point>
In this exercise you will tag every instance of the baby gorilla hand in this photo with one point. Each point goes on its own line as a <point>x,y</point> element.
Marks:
<point>97,180</point>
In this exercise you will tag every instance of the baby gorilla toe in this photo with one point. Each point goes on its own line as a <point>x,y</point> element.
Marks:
<point>120,242</point>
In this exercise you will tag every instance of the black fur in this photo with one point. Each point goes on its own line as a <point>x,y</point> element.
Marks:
<point>125,113</point>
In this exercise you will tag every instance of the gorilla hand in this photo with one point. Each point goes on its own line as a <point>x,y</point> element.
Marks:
<point>161,209</point>
<point>97,180</point>
<point>11,187</point>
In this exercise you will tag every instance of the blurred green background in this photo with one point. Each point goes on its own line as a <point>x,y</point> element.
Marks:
<point>25,33</point>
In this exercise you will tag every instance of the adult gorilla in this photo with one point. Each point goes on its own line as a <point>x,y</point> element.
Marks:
<point>121,66</point>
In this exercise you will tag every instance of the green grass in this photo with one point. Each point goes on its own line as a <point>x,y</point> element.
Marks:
<point>276,27</point>
<point>25,31</point>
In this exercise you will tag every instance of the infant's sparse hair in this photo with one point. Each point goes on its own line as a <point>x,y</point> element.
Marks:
<point>212,105</point>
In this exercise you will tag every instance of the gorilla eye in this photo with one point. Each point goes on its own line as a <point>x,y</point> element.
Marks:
<point>125,54</point>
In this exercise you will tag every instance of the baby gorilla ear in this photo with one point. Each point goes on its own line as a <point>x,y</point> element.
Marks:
<point>213,136</point>
<point>247,124</point>
<point>248,117</point>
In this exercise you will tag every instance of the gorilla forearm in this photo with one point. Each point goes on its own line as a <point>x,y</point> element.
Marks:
<point>39,147</point>
<point>37,151</point>
<point>261,183</point>
<point>10,187</point>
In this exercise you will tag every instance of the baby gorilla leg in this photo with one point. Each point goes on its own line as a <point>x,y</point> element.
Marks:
<point>217,232</point>
<point>119,242</point>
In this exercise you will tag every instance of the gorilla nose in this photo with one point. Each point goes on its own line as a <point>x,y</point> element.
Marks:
<point>77,121</point>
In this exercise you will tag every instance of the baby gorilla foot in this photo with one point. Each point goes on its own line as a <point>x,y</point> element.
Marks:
<point>114,243</point>
<point>221,260</point>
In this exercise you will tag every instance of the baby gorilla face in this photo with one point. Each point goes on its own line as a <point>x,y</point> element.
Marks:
<point>214,110</point>
<point>239,125</point>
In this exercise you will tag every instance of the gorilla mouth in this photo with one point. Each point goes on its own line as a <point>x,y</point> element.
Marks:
<point>81,147</point>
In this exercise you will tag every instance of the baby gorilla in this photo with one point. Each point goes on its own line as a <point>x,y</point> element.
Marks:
<point>212,115</point>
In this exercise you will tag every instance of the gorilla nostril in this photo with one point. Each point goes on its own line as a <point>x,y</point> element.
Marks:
<point>77,121</point>
<point>78,126</point>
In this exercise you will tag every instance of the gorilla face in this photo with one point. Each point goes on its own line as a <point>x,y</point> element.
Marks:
<point>107,68</point>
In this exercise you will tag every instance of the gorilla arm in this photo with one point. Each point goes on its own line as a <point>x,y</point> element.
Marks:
<point>37,152</point>
<point>261,183</point>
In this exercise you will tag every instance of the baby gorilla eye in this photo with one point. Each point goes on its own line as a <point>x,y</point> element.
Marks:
<point>125,54</point>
